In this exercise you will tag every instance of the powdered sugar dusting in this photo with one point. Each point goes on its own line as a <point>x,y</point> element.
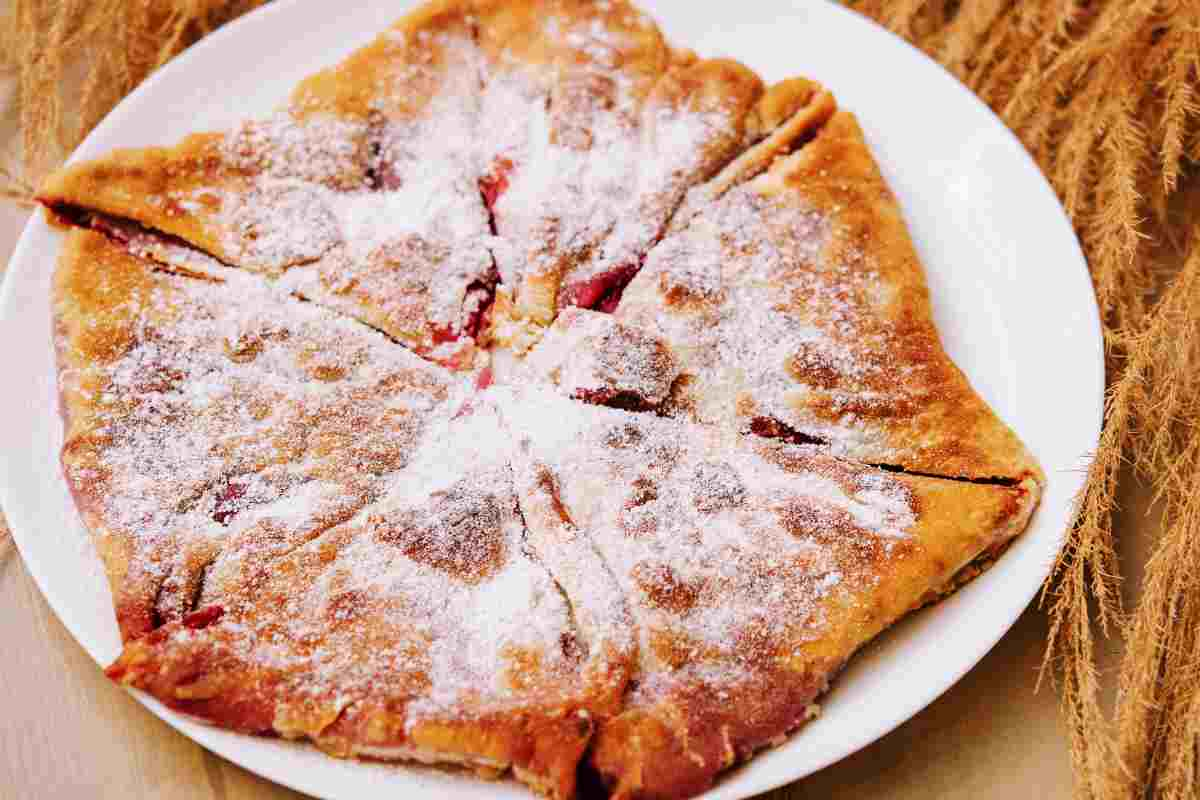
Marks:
<point>403,251</point>
<point>595,164</point>
<point>336,538</point>
<point>218,409</point>
<point>766,322</point>
<point>433,573</point>
<point>724,551</point>
<point>592,357</point>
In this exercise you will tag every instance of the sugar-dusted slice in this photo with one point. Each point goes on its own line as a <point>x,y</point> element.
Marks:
<point>753,568</point>
<point>598,129</point>
<point>430,627</point>
<point>797,307</point>
<point>593,357</point>
<point>417,259</point>
<point>361,194</point>
<point>198,409</point>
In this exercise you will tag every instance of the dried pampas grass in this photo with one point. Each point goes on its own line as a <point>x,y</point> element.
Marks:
<point>1104,94</point>
<point>71,61</point>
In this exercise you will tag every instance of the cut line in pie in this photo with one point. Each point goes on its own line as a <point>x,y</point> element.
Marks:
<point>527,395</point>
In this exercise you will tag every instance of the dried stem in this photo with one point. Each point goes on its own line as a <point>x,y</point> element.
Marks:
<point>1104,94</point>
<point>73,60</point>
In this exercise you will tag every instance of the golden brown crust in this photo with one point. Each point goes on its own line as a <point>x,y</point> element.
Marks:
<point>196,666</point>
<point>787,114</point>
<point>754,570</point>
<point>303,189</point>
<point>312,628</point>
<point>420,629</point>
<point>797,303</point>
<point>398,74</point>
<point>949,430</point>
<point>121,183</point>
<point>89,331</point>
<point>172,429</point>
<point>616,97</point>
<point>677,747</point>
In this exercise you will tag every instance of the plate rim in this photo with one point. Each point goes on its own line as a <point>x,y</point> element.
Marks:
<point>196,731</point>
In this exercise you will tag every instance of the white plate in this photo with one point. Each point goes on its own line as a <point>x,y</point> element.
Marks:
<point>1011,294</point>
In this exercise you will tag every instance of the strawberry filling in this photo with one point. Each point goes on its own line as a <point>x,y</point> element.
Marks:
<point>227,502</point>
<point>601,292</point>
<point>494,184</point>
<point>203,617</point>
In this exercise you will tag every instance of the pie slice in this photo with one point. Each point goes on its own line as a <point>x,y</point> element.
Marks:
<point>594,357</point>
<point>358,195</point>
<point>797,307</point>
<point>598,130</point>
<point>753,569</point>
<point>196,410</point>
<point>417,261</point>
<point>567,128</point>
<point>425,628</point>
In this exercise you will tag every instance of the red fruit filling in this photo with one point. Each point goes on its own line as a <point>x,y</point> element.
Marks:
<point>477,301</point>
<point>493,184</point>
<point>624,400</point>
<point>227,505</point>
<point>601,292</point>
<point>202,618</point>
<point>774,429</point>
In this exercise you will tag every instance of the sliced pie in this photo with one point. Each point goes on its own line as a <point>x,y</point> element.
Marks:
<point>195,410</point>
<point>797,307</point>
<point>753,569</point>
<point>567,128</point>
<point>357,195</point>
<point>427,627</point>
<point>600,129</point>
<point>650,546</point>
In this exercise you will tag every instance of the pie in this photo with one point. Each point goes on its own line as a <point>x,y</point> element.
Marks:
<point>752,568</point>
<point>798,308</point>
<point>525,394</point>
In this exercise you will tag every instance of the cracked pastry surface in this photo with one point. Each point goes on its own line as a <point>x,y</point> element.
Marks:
<point>526,394</point>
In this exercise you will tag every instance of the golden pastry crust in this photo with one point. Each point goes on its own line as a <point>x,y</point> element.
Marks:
<point>186,415</point>
<point>788,113</point>
<point>191,189</point>
<point>430,626</point>
<point>798,307</point>
<point>952,431</point>
<point>629,126</point>
<point>754,569</point>
<point>400,73</point>
<point>347,197</point>
<point>314,533</point>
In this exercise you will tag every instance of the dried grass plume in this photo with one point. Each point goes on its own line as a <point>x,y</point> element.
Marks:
<point>1104,95</point>
<point>70,61</point>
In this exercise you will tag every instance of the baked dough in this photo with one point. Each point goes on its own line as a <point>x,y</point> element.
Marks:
<point>525,394</point>
<point>797,307</point>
